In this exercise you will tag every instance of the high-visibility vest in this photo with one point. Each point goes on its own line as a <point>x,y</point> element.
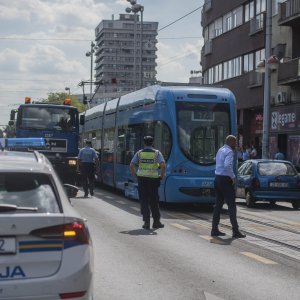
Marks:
<point>148,164</point>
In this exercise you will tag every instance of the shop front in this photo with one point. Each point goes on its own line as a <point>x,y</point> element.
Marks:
<point>285,132</point>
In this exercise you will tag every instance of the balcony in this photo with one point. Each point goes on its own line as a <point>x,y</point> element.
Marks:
<point>256,24</point>
<point>289,13</point>
<point>255,79</point>
<point>207,49</point>
<point>289,72</point>
<point>207,5</point>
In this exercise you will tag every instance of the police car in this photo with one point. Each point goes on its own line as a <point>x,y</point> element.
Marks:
<point>45,245</point>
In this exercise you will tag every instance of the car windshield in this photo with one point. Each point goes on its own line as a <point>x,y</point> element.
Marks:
<point>275,169</point>
<point>28,190</point>
<point>64,119</point>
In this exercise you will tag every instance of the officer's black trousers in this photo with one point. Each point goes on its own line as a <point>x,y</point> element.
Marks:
<point>224,193</point>
<point>149,199</point>
<point>88,177</point>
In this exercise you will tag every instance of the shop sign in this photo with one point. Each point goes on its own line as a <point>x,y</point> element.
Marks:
<point>285,119</point>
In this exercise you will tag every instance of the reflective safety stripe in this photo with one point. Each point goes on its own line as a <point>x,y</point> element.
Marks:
<point>148,164</point>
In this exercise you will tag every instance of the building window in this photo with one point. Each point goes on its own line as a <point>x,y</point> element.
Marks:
<point>249,11</point>
<point>259,56</point>
<point>248,64</point>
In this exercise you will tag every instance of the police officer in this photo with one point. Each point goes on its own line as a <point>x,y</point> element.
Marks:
<point>148,162</point>
<point>224,186</point>
<point>87,158</point>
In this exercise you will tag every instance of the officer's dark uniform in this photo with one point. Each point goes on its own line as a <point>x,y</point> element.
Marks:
<point>87,158</point>
<point>149,160</point>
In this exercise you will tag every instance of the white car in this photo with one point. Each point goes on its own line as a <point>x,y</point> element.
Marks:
<point>45,246</point>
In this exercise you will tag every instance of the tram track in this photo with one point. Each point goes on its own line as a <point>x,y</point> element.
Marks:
<point>250,232</point>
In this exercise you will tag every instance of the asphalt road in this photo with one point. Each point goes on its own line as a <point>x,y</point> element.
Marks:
<point>181,261</point>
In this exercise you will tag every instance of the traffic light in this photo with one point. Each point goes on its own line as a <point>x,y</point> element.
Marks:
<point>84,99</point>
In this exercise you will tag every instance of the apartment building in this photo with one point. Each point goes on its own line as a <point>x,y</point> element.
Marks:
<point>125,56</point>
<point>234,45</point>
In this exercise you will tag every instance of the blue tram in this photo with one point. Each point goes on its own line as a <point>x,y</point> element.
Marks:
<point>188,123</point>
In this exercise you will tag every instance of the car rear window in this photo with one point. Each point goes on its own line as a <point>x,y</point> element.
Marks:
<point>275,169</point>
<point>32,190</point>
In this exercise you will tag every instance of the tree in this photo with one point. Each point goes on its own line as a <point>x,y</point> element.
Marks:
<point>59,98</point>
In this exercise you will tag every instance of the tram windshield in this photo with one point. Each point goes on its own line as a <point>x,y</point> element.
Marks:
<point>43,118</point>
<point>202,128</point>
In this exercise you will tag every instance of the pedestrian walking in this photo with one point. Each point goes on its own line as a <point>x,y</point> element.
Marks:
<point>87,158</point>
<point>279,155</point>
<point>224,187</point>
<point>149,166</point>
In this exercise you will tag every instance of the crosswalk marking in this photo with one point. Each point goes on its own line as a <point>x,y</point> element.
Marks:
<point>179,226</point>
<point>259,258</point>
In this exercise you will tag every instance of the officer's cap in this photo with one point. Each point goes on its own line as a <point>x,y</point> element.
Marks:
<point>148,139</point>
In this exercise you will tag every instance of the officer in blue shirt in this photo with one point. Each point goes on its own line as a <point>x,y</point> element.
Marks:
<point>87,158</point>
<point>149,162</point>
<point>224,187</point>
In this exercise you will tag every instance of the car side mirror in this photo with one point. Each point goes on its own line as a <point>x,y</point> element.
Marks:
<point>71,190</point>
<point>82,120</point>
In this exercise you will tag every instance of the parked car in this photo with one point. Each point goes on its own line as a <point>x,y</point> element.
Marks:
<point>45,246</point>
<point>268,180</point>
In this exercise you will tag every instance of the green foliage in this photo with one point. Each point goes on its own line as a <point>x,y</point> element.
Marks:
<point>59,98</point>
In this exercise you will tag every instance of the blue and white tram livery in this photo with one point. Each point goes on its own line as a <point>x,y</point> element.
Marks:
<point>188,123</point>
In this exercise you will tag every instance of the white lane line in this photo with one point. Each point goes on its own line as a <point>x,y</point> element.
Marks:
<point>209,296</point>
<point>108,197</point>
<point>179,226</point>
<point>121,202</point>
<point>135,208</point>
<point>260,258</point>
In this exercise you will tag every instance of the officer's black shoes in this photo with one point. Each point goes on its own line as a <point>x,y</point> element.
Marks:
<point>92,193</point>
<point>238,235</point>
<point>157,224</point>
<point>217,233</point>
<point>86,195</point>
<point>146,225</point>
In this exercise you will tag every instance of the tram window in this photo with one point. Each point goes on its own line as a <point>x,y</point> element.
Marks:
<point>200,137</point>
<point>121,145</point>
<point>108,145</point>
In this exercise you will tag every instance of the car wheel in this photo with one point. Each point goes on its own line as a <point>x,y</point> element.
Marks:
<point>249,200</point>
<point>296,204</point>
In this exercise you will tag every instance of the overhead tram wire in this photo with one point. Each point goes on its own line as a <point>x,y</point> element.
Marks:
<point>180,18</point>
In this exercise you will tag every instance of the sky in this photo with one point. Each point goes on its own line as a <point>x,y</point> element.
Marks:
<point>43,44</point>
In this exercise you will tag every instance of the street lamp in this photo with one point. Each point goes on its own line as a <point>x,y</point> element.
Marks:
<point>91,54</point>
<point>68,89</point>
<point>135,8</point>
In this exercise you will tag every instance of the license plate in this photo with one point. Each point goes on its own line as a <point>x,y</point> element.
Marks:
<point>205,192</point>
<point>7,245</point>
<point>279,184</point>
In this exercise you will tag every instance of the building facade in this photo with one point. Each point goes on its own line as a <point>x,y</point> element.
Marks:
<point>125,56</point>
<point>234,44</point>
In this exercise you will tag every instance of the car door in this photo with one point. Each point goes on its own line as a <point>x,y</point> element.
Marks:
<point>244,179</point>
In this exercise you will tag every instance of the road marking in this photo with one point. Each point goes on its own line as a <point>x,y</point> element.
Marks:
<point>209,296</point>
<point>259,258</point>
<point>108,197</point>
<point>178,216</point>
<point>179,226</point>
<point>121,202</point>
<point>135,208</point>
<point>213,240</point>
